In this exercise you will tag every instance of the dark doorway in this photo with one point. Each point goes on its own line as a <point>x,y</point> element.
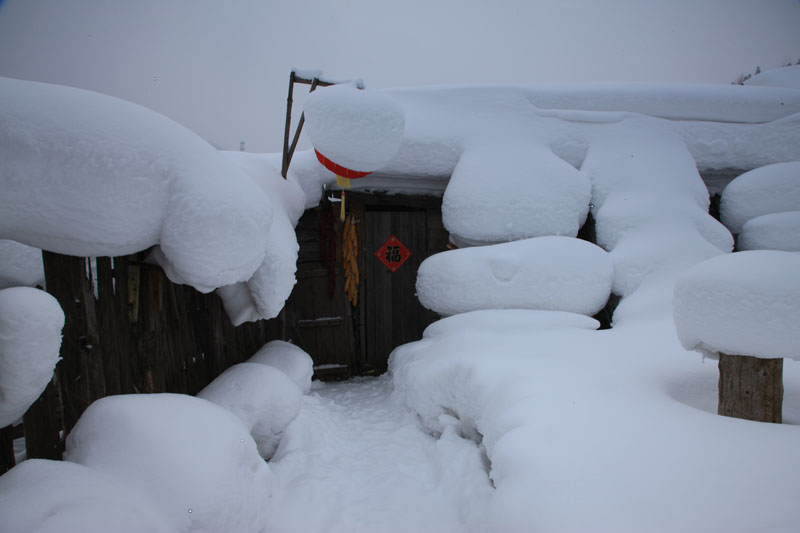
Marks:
<point>345,340</point>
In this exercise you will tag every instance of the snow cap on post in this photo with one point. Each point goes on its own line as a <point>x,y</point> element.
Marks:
<point>746,303</point>
<point>353,131</point>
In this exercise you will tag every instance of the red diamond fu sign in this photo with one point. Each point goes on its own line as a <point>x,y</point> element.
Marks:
<point>393,253</point>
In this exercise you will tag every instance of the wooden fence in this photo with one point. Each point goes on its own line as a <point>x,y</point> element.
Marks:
<point>128,330</point>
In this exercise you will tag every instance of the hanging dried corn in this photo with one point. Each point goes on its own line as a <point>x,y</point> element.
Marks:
<point>349,255</point>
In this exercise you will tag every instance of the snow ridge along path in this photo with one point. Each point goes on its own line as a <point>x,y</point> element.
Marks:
<point>355,459</point>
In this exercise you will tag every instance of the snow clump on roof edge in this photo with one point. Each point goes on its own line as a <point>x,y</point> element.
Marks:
<point>746,303</point>
<point>86,174</point>
<point>511,190</point>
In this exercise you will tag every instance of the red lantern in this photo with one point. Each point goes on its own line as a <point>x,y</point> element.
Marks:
<point>343,177</point>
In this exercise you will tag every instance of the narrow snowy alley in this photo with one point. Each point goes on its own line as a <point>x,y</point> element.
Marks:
<point>357,460</point>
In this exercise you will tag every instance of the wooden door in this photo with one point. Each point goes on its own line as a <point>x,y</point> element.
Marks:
<point>319,318</point>
<point>392,313</point>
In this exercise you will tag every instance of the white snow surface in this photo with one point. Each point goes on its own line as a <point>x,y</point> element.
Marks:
<point>551,273</point>
<point>192,460</point>
<point>263,397</point>
<point>599,430</point>
<point>289,359</point>
<point>776,231</point>
<point>30,340</point>
<point>746,303</point>
<point>20,265</point>
<point>788,77</point>
<point>514,190</point>
<point>769,189</point>
<point>59,496</point>
<point>357,129</point>
<point>356,460</point>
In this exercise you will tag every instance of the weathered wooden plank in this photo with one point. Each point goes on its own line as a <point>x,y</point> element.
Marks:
<point>43,426</point>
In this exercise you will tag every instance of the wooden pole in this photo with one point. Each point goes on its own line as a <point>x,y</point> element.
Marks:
<point>287,128</point>
<point>750,388</point>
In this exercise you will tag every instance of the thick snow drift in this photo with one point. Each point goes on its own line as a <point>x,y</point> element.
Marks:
<point>746,303</point>
<point>87,174</point>
<point>513,190</point>
<point>20,265</point>
<point>357,129</point>
<point>60,496</point>
<point>264,398</point>
<point>289,359</point>
<point>551,273</point>
<point>788,77</point>
<point>770,189</point>
<point>30,340</point>
<point>776,231</point>
<point>194,461</point>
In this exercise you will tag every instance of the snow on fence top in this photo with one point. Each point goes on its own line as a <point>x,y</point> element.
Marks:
<point>746,303</point>
<point>770,189</point>
<point>90,175</point>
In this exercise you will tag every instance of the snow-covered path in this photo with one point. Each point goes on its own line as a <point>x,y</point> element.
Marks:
<point>357,460</point>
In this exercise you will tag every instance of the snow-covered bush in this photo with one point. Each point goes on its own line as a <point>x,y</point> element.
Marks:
<point>263,397</point>
<point>746,303</point>
<point>776,231</point>
<point>194,461</point>
<point>551,273</point>
<point>763,191</point>
<point>509,190</point>
<point>289,359</point>
<point>45,496</point>
<point>30,340</point>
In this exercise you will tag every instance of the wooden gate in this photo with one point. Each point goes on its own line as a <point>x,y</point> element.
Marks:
<point>344,340</point>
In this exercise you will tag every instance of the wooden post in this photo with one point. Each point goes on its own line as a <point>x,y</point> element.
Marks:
<point>750,388</point>
<point>6,449</point>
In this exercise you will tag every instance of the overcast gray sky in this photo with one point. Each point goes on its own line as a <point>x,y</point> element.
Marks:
<point>221,68</point>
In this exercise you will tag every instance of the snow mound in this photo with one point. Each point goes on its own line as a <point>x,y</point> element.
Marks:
<point>194,461</point>
<point>357,129</point>
<point>30,340</point>
<point>512,190</point>
<point>90,175</point>
<point>548,273</point>
<point>769,189</point>
<point>776,231</point>
<point>788,77</point>
<point>57,496</point>
<point>657,248</point>
<point>264,398</point>
<point>289,359</point>
<point>20,265</point>
<point>746,303</point>
<point>508,321</point>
